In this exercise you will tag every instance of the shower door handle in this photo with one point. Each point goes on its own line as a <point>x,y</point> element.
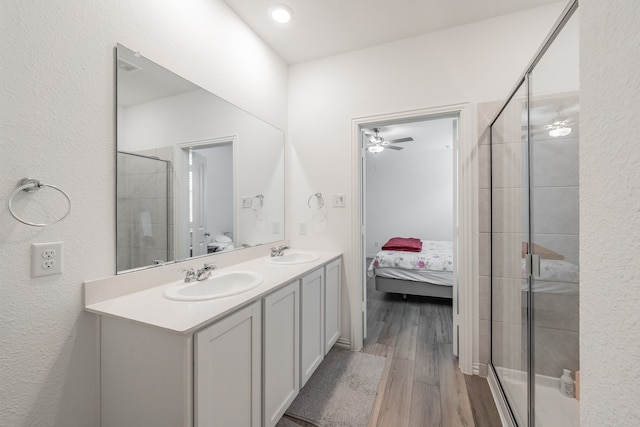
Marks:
<point>533,265</point>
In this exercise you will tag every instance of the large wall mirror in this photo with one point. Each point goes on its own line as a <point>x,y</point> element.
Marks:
<point>195,174</point>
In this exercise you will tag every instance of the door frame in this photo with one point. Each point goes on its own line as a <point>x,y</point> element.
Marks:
<point>181,167</point>
<point>466,300</point>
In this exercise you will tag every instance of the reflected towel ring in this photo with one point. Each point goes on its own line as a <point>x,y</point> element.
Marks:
<point>31,185</point>
<point>257,202</point>
<point>319,201</point>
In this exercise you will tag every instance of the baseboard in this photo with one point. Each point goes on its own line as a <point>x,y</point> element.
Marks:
<point>343,343</point>
<point>475,369</point>
<point>483,370</point>
<point>498,398</point>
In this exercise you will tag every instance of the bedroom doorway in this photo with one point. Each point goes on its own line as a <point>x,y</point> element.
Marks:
<point>409,193</point>
<point>402,130</point>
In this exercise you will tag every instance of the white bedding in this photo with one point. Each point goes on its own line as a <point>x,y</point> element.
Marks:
<point>434,264</point>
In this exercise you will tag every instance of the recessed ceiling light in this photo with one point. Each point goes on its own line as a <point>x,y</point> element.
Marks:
<point>281,14</point>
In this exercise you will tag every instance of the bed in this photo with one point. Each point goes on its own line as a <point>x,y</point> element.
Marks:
<point>428,272</point>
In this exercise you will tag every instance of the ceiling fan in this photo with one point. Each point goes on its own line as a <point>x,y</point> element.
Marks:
<point>559,128</point>
<point>377,143</point>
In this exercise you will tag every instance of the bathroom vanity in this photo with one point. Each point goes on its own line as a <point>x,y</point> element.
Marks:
<point>233,361</point>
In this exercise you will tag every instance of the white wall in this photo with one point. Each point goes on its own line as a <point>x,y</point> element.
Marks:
<point>609,213</point>
<point>57,125</point>
<point>410,192</point>
<point>471,63</point>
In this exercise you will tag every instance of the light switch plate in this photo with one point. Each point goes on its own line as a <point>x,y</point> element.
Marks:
<point>338,200</point>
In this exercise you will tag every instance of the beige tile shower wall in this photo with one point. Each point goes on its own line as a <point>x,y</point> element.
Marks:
<point>141,189</point>
<point>509,329</point>
<point>486,111</point>
<point>556,314</point>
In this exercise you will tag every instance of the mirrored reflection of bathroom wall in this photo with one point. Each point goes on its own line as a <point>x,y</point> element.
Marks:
<point>535,240</point>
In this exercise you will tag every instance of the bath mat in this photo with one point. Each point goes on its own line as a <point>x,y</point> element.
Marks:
<point>285,422</point>
<point>341,392</point>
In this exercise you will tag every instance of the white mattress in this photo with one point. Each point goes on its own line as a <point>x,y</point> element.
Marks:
<point>444,278</point>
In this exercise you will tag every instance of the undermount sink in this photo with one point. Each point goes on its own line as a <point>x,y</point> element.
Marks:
<point>293,257</point>
<point>217,286</point>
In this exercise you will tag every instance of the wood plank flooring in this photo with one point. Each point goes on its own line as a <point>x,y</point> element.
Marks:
<point>422,385</point>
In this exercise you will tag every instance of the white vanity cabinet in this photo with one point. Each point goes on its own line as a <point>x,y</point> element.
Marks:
<point>165,363</point>
<point>281,351</point>
<point>333,278</point>
<point>228,371</point>
<point>319,316</point>
<point>152,377</point>
<point>312,323</point>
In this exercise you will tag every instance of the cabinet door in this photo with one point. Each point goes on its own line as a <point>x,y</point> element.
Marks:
<point>281,351</point>
<point>228,366</point>
<point>332,304</point>
<point>311,323</point>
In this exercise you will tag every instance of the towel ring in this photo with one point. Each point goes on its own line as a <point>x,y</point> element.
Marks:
<point>319,201</point>
<point>260,202</point>
<point>31,185</point>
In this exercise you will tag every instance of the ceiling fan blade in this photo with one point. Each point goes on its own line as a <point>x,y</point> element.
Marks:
<point>395,141</point>
<point>391,147</point>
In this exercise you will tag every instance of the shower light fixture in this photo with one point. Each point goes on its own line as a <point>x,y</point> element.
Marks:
<point>281,14</point>
<point>560,130</point>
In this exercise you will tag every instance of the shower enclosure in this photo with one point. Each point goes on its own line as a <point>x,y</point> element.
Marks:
<point>143,216</point>
<point>535,235</point>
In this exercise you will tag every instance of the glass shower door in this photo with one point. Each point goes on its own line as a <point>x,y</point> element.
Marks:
<point>509,229</point>
<point>554,140</point>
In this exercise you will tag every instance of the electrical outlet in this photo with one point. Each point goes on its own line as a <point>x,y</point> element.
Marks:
<point>46,259</point>
<point>302,228</point>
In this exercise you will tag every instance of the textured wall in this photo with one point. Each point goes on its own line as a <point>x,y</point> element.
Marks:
<point>610,213</point>
<point>57,124</point>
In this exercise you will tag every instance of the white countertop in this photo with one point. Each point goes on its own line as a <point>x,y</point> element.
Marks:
<point>150,307</point>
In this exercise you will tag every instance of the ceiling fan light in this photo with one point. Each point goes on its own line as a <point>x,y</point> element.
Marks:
<point>560,131</point>
<point>375,148</point>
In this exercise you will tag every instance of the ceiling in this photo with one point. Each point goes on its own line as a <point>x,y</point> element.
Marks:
<point>321,28</point>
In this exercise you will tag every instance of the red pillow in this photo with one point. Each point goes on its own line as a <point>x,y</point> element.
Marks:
<point>409,244</point>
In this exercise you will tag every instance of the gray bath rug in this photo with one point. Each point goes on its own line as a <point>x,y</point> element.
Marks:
<point>342,390</point>
<point>285,422</point>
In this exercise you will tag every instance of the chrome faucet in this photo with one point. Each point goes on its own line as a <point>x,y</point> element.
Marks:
<point>190,276</point>
<point>278,251</point>
<point>205,272</point>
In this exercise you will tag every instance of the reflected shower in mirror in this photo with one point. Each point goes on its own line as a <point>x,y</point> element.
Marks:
<point>195,174</point>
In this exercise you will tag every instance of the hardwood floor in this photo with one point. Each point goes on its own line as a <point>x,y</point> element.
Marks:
<point>422,385</point>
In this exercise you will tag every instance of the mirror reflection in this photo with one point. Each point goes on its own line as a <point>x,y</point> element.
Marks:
<point>195,174</point>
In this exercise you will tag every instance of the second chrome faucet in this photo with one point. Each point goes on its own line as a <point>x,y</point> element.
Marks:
<point>200,274</point>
